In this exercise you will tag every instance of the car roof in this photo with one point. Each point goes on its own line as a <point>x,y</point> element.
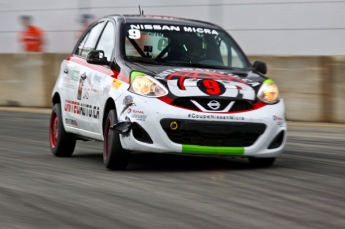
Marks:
<point>169,20</point>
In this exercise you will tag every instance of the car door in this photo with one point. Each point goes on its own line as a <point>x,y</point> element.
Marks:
<point>101,74</point>
<point>80,112</point>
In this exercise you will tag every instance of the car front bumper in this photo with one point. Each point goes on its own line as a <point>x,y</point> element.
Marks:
<point>250,133</point>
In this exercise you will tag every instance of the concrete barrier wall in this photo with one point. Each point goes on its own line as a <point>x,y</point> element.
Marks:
<point>28,79</point>
<point>338,97</point>
<point>313,87</point>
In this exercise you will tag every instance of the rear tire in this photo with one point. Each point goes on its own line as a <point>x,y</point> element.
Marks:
<point>114,156</point>
<point>261,162</point>
<point>62,144</point>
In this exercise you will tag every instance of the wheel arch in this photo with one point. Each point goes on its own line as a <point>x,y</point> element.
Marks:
<point>56,98</point>
<point>109,105</point>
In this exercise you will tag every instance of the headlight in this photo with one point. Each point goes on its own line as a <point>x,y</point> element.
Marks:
<point>268,92</point>
<point>145,85</point>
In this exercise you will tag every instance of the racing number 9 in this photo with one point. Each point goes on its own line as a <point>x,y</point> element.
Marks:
<point>134,34</point>
<point>211,87</point>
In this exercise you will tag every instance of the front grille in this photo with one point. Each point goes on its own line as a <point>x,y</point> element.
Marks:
<point>239,105</point>
<point>234,134</point>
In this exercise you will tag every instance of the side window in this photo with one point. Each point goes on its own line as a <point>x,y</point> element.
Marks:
<point>230,56</point>
<point>81,45</point>
<point>236,61</point>
<point>107,41</point>
<point>224,52</point>
<point>89,41</point>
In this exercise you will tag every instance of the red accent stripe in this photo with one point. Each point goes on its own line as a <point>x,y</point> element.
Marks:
<point>99,68</point>
<point>166,99</point>
<point>259,104</point>
<point>181,80</point>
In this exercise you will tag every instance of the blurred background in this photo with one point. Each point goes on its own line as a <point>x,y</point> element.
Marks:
<point>272,27</point>
<point>302,42</point>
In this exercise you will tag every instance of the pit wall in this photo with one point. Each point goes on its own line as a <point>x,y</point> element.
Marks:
<point>313,87</point>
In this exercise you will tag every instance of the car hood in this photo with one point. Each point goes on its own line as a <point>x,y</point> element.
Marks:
<point>205,82</point>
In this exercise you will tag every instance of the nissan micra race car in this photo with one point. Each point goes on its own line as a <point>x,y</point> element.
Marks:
<point>165,85</point>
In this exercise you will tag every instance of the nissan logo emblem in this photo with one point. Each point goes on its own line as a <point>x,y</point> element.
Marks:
<point>214,105</point>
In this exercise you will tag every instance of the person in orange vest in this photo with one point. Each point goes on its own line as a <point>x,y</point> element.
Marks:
<point>32,38</point>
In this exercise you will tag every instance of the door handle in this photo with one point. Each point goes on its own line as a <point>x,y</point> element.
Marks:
<point>65,71</point>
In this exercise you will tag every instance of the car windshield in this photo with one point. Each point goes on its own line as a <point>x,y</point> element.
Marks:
<point>181,45</point>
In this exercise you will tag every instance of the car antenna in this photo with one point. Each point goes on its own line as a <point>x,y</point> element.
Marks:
<point>141,12</point>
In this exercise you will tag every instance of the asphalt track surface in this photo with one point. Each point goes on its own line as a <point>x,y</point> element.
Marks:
<point>304,189</point>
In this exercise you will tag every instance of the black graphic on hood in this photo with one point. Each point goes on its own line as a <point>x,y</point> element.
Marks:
<point>195,82</point>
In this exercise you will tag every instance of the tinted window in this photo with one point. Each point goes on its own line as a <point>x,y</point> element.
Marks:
<point>107,40</point>
<point>89,41</point>
<point>187,45</point>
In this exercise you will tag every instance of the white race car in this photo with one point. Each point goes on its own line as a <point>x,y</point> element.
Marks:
<point>165,85</point>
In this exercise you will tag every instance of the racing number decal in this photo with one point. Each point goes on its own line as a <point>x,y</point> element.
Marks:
<point>134,34</point>
<point>211,87</point>
<point>201,83</point>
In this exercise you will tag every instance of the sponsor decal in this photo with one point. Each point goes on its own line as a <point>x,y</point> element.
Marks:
<point>137,112</point>
<point>134,28</point>
<point>130,110</point>
<point>116,84</point>
<point>96,83</point>
<point>75,75</point>
<point>95,90</point>
<point>82,109</point>
<point>80,88</point>
<point>71,122</point>
<point>127,102</point>
<point>276,118</point>
<point>67,79</point>
<point>68,83</point>
<point>84,87</point>
<point>200,30</point>
<point>215,117</point>
<point>69,86</point>
<point>86,93</point>
<point>139,117</point>
<point>97,79</point>
<point>280,121</point>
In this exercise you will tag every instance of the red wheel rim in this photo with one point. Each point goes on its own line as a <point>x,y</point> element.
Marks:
<point>54,129</point>
<point>107,140</point>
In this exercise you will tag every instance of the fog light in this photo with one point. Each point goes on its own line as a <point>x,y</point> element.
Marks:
<point>173,125</point>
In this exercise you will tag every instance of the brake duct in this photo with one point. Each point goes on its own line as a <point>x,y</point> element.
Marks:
<point>121,127</point>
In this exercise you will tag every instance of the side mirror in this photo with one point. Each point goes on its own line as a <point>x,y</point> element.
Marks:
<point>97,57</point>
<point>260,66</point>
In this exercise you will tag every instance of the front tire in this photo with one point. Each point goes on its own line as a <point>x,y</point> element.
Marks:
<point>261,162</point>
<point>114,156</point>
<point>62,144</point>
